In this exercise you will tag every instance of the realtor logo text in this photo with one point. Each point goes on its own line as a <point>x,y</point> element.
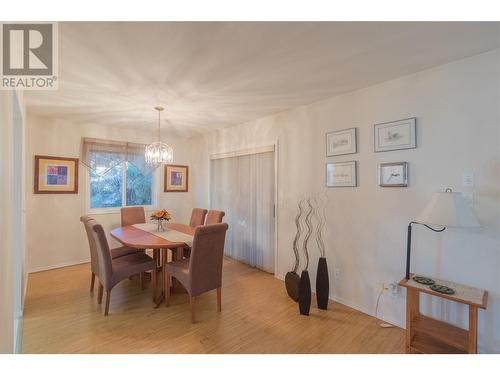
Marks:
<point>29,56</point>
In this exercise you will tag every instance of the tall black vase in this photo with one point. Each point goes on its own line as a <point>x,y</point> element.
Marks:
<point>322,284</point>
<point>292,282</point>
<point>304,293</point>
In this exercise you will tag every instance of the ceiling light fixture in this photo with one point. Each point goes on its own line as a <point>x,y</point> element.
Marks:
<point>158,152</point>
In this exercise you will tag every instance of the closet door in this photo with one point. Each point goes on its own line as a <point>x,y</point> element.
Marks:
<point>243,187</point>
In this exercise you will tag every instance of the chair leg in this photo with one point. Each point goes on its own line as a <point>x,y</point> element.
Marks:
<point>99,294</point>
<point>166,288</point>
<point>219,299</point>
<point>92,282</point>
<point>108,297</point>
<point>191,303</point>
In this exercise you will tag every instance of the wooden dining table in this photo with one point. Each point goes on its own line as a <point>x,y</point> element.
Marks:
<point>140,239</point>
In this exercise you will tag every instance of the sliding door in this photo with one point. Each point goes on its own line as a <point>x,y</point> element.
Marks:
<point>243,187</point>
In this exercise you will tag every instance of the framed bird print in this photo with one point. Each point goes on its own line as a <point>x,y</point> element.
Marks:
<point>393,174</point>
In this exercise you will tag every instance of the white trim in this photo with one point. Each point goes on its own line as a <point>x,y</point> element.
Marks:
<point>276,207</point>
<point>248,151</point>
<point>18,335</point>
<point>59,265</point>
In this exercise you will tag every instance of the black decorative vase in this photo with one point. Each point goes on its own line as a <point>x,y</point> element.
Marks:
<point>322,284</point>
<point>304,293</point>
<point>292,282</point>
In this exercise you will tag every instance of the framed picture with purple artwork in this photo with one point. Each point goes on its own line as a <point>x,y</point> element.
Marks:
<point>56,175</point>
<point>176,178</point>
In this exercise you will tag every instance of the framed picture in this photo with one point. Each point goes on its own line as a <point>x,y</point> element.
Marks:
<point>176,178</point>
<point>393,174</point>
<point>396,135</point>
<point>341,174</point>
<point>341,142</point>
<point>56,175</point>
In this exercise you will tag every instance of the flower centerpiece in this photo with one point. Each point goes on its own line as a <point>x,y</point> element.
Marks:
<point>159,216</point>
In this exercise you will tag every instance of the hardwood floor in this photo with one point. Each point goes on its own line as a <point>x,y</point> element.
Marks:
<point>61,316</point>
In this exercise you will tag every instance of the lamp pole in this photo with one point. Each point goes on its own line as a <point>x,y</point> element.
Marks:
<point>408,244</point>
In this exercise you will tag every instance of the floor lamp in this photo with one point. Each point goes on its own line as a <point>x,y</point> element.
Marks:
<point>446,209</point>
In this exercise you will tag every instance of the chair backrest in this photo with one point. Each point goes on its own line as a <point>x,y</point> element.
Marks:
<point>88,222</point>
<point>105,266</point>
<point>205,262</point>
<point>132,215</point>
<point>214,217</point>
<point>197,217</point>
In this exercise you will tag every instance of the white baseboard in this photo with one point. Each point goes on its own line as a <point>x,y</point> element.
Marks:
<point>18,335</point>
<point>25,290</point>
<point>353,306</point>
<point>59,265</point>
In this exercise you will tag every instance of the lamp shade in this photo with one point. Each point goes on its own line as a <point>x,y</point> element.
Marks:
<point>448,209</point>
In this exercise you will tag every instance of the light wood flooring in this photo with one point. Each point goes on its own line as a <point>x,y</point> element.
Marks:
<point>61,316</point>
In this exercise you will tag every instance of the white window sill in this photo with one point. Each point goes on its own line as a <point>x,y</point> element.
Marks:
<point>113,211</point>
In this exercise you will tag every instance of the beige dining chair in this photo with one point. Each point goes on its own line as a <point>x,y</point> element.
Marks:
<point>214,217</point>
<point>132,215</point>
<point>202,272</point>
<point>113,270</point>
<point>197,217</point>
<point>117,252</point>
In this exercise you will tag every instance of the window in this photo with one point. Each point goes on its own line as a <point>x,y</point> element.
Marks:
<point>118,175</point>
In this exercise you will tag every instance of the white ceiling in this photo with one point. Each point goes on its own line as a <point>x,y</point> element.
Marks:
<point>212,75</point>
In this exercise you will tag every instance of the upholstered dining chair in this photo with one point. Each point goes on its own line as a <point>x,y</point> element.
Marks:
<point>113,270</point>
<point>214,217</point>
<point>202,272</point>
<point>197,217</point>
<point>132,215</point>
<point>117,252</point>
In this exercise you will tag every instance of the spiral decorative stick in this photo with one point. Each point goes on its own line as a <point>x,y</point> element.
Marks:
<point>309,231</point>
<point>319,227</point>
<point>297,235</point>
<point>323,211</point>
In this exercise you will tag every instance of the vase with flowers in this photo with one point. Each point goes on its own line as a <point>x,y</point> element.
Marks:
<point>160,216</point>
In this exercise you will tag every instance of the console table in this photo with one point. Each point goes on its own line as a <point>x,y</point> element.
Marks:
<point>428,335</point>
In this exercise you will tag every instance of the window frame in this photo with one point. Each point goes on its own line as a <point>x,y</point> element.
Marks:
<point>115,210</point>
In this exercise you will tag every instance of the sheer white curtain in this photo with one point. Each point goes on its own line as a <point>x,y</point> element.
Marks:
<point>243,187</point>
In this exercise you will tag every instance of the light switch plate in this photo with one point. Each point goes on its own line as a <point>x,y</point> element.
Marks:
<point>468,180</point>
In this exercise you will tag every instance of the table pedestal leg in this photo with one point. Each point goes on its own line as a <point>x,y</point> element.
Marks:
<point>177,287</point>
<point>154,274</point>
<point>163,261</point>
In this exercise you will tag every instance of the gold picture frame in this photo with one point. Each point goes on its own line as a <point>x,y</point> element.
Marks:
<point>176,178</point>
<point>55,175</point>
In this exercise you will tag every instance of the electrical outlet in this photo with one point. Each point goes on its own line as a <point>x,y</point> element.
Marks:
<point>336,273</point>
<point>393,289</point>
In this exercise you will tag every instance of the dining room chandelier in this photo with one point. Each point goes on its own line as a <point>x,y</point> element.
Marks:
<point>158,152</point>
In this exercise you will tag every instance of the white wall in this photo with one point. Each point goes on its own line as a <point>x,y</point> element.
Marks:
<point>12,271</point>
<point>456,106</point>
<point>60,240</point>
